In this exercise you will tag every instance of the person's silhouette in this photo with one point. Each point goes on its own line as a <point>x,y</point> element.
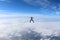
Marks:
<point>31,20</point>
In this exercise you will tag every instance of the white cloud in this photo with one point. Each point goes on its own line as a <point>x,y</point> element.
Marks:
<point>44,4</point>
<point>12,23</point>
<point>38,2</point>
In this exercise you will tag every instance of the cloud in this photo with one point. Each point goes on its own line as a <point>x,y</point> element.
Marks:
<point>37,2</point>
<point>45,4</point>
<point>57,13</point>
<point>38,17</point>
<point>11,23</point>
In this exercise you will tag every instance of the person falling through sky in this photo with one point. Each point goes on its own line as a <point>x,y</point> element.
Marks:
<point>31,20</point>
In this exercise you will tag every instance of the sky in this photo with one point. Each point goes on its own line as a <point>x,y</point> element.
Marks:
<point>45,7</point>
<point>46,10</point>
<point>15,16</point>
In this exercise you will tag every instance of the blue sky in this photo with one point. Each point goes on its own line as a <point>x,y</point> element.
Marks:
<point>45,7</point>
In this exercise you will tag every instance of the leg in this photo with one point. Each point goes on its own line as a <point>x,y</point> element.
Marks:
<point>33,21</point>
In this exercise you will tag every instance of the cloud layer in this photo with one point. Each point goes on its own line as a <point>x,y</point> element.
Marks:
<point>15,23</point>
